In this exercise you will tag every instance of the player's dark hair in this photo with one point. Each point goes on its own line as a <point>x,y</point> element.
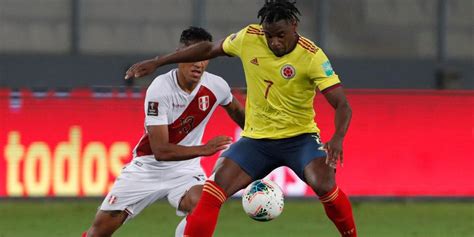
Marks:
<point>275,10</point>
<point>194,34</point>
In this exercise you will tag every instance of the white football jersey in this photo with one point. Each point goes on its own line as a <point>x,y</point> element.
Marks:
<point>185,114</point>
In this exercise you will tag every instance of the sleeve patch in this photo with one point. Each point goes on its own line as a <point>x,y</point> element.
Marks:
<point>152,108</point>
<point>327,68</point>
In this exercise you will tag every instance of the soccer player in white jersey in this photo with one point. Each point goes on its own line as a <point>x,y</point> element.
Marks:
<point>166,161</point>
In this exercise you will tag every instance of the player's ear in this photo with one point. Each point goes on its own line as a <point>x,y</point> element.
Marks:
<point>294,25</point>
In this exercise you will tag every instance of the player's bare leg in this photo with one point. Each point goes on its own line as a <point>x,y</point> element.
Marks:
<point>106,223</point>
<point>187,204</point>
<point>190,199</point>
<point>322,179</point>
<point>228,179</point>
<point>320,176</point>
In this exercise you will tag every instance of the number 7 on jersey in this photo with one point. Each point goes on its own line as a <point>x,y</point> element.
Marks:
<point>270,83</point>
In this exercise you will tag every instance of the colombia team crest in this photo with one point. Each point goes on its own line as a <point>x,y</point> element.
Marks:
<point>203,102</point>
<point>288,71</point>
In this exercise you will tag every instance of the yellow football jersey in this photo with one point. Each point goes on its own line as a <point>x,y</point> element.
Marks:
<point>280,90</point>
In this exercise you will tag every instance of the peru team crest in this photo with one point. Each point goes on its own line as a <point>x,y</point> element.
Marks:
<point>288,71</point>
<point>112,199</point>
<point>203,102</point>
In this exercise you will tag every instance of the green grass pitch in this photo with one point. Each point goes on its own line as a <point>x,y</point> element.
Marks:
<point>301,218</point>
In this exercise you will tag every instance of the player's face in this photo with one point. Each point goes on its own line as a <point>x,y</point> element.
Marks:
<point>281,36</point>
<point>192,72</point>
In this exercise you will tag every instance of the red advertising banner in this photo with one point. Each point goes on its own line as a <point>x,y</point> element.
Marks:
<point>400,143</point>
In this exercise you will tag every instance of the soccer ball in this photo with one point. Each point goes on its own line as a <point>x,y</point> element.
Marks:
<point>263,200</point>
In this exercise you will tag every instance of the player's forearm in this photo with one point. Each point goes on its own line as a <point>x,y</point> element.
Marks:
<point>236,112</point>
<point>342,119</point>
<point>194,53</point>
<point>173,152</point>
<point>238,116</point>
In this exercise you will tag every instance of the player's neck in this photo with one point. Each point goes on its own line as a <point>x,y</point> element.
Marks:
<point>186,85</point>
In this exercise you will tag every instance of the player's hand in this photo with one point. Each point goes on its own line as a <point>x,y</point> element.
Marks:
<point>141,69</point>
<point>216,144</point>
<point>334,150</point>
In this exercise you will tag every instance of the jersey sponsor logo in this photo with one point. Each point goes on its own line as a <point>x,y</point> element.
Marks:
<point>178,106</point>
<point>204,102</point>
<point>327,68</point>
<point>288,71</point>
<point>152,108</point>
<point>254,61</point>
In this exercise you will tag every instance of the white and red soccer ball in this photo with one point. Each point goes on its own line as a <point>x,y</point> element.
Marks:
<point>263,200</point>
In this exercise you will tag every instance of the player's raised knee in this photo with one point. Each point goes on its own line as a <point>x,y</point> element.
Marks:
<point>320,186</point>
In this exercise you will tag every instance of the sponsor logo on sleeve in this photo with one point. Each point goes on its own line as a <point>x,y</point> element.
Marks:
<point>152,108</point>
<point>328,68</point>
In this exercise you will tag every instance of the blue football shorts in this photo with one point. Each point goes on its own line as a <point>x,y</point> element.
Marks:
<point>258,157</point>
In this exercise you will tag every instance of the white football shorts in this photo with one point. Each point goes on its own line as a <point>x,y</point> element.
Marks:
<point>142,182</point>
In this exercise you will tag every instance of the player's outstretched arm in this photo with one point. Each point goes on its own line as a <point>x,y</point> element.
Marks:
<point>338,101</point>
<point>165,151</point>
<point>236,111</point>
<point>194,53</point>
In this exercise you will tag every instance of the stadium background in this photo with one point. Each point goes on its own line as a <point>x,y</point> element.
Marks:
<point>69,121</point>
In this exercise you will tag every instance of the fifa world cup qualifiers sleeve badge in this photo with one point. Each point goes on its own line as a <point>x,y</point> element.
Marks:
<point>328,68</point>
<point>152,108</point>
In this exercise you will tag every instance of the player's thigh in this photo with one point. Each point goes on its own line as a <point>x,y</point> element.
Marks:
<point>246,160</point>
<point>107,222</point>
<point>184,189</point>
<point>190,199</point>
<point>320,176</point>
<point>138,186</point>
<point>230,176</point>
<point>300,151</point>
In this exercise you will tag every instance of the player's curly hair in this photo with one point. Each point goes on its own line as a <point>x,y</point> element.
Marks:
<point>194,34</point>
<point>275,10</point>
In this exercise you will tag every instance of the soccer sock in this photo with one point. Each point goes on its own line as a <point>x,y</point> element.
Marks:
<point>202,221</point>
<point>84,234</point>
<point>180,228</point>
<point>339,210</point>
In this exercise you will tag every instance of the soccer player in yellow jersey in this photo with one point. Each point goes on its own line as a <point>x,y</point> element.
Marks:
<point>282,71</point>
